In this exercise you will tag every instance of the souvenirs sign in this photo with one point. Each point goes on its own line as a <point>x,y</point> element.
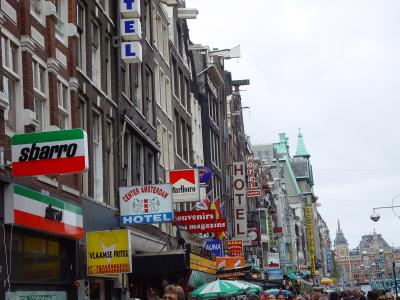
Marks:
<point>51,152</point>
<point>108,252</point>
<point>146,204</point>
<point>185,185</point>
<point>194,217</point>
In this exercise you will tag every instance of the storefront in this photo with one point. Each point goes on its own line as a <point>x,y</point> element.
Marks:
<point>41,238</point>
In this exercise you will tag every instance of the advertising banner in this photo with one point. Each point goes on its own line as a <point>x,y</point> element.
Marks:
<point>51,152</point>
<point>278,232</point>
<point>234,273</point>
<point>234,247</point>
<point>214,246</point>
<point>273,260</point>
<point>230,262</point>
<point>239,200</point>
<point>202,264</point>
<point>205,174</point>
<point>218,226</point>
<point>32,209</point>
<point>329,260</point>
<point>194,217</point>
<point>185,185</point>
<point>254,235</point>
<point>275,274</point>
<point>252,184</point>
<point>310,239</point>
<point>146,204</point>
<point>108,252</point>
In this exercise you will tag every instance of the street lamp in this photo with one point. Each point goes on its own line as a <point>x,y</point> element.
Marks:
<point>375,216</point>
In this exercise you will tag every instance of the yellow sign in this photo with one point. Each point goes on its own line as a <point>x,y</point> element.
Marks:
<point>310,238</point>
<point>108,252</point>
<point>202,264</point>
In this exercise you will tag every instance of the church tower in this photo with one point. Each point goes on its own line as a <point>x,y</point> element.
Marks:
<point>340,245</point>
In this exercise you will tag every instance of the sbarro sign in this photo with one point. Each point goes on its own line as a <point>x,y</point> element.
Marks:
<point>146,204</point>
<point>185,185</point>
<point>52,152</point>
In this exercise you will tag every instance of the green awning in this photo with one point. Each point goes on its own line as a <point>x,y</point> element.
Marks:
<point>293,276</point>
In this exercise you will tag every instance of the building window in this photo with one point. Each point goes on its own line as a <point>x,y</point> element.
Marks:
<point>63,105</point>
<point>187,95</point>
<point>182,88</point>
<point>96,69</point>
<point>97,158</point>
<point>150,168</point>
<point>175,78</point>
<point>184,141</point>
<point>82,113</point>
<point>157,83</point>
<point>81,39</point>
<point>168,102</point>
<point>139,165</point>
<point>178,135</point>
<point>189,144</point>
<point>137,87</point>
<point>147,22</point>
<point>149,96</point>
<point>62,18</point>
<point>108,65</point>
<point>39,88</point>
<point>127,159</point>
<point>165,50</point>
<point>165,145</point>
<point>160,141</point>
<point>110,161</point>
<point>171,151</point>
<point>126,87</point>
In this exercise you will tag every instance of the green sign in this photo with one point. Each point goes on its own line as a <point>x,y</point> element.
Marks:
<point>36,295</point>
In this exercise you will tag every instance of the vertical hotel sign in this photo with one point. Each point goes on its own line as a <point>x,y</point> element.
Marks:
<point>310,238</point>
<point>239,200</point>
<point>131,31</point>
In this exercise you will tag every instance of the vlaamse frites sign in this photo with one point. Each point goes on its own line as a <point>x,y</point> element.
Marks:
<point>52,152</point>
<point>108,252</point>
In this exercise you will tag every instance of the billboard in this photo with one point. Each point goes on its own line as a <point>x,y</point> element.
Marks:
<point>239,200</point>
<point>185,185</point>
<point>194,217</point>
<point>146,204</point>
<point>108,252</point>
<point>51,152</point>
<point>234,247</point>
<point>230,262</point>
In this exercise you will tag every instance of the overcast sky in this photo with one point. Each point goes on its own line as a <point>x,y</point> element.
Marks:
<point>333,69</point>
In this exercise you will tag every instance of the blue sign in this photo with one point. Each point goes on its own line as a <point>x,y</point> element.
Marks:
<point>329,260</point>
<point>147,218</point>
<point>205,174</point>
<point>214,246</point>
<point>275,274</point>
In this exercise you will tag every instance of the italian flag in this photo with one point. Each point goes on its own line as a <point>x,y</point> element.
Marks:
<point>77,163</point>
<point>30,210</point>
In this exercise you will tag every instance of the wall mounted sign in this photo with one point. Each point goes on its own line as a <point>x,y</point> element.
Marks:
<point>254,236</point>
<point>108,252</point>
<point>30,208</point>
<point>239,200</point>
<point>205,174</point>
<point>278,232</point>
<point>252,185</point>
<point>185,185</point>
<point>230,262</point>
<point>51,152</point>
<point>194,217</point>
<point>131,32</point>
<point>214,246</point>
<point>234,247</point>
<point>146,204</point>
<point>275,274</point>
<point>218,226</point>
<point>273,260</point>
<point>310,239</point>
<point>31,295</point>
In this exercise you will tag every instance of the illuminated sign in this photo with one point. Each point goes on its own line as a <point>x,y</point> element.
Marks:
<point>51,152</point>
<point>239,200</point>
<point>108,252</point>
<point>252,184</point>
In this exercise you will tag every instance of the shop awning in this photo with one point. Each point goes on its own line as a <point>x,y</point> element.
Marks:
<point>293,276</point>
<point>158,264</point>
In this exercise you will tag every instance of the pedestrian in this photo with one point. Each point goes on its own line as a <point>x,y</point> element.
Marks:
<point>389,296</point>
<point>271,297</point>
<point>173,292</point>
<point>280,296</point>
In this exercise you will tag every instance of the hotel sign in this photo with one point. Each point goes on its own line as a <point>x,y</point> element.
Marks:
<point>146,204</point>
<point>131,31</point>
<point>239,200</point>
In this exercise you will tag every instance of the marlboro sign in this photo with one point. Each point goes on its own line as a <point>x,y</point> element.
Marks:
<point>185,185</point>
<point>52,152</point>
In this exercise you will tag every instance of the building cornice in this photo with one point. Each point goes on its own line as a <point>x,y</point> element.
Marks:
<point>2,19</point>
<point>73,84</point>
<point>53,65</point>
<point>27,44</point>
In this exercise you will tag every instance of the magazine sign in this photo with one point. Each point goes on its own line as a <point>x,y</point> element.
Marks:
<point>51,152</point>
<point>146,204</point>
<point>185,185</point>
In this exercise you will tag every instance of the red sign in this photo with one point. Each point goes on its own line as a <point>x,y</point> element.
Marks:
<point>277,229</point>
<point>254,193</point>
<point>218,226</point>
<point>254,234</point>
<point>234,247</point>
<point>185,185</point>
<point>194,217</point>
